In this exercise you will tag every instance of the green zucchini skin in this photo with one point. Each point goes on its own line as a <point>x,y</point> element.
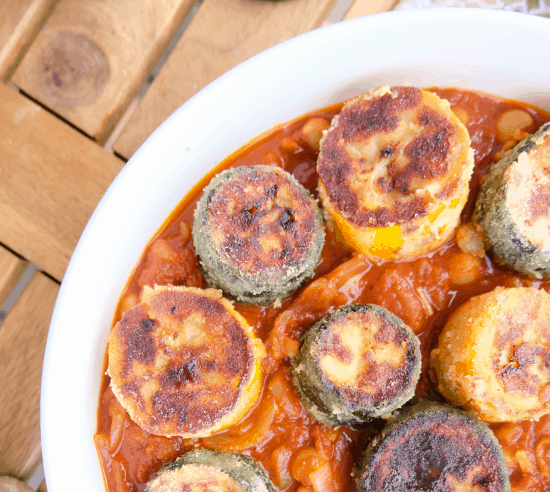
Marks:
<point>239,467</point>
<point>302,240</point>
<point>334,404</point>
<point>503,236</point>
<point>429,446</point>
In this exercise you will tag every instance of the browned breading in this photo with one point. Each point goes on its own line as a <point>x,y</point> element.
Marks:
<point>393,172</point>
<point>493,357</point>
<point>184,363</point>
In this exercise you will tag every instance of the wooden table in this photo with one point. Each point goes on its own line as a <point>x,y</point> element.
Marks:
<point>76,101</point>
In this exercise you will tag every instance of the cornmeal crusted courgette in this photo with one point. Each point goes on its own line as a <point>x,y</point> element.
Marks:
<point>513,206</point>
<point>258,234</point>
<point>394,169</point>
<point>355,364</point>
<point>184,363</point>
<point>209,470</point>
<point>433,447</point>
<point>492,355</point>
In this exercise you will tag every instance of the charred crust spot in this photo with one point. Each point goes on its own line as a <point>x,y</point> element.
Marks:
<point>272,191</point>
<point>287,219</point>
<point>134,334</point>
<point>432,148</point>
<point>515,374</point>
<point>147,324</point>
<point>210,197</point>
<point>427,452</point>
<point>522,246</point>
<point>385,152</point>
<point>386,185</point>
<point>529,145</point>
<point>403,178</point>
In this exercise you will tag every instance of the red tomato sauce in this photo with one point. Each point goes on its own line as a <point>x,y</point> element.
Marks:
<point>298,453</point>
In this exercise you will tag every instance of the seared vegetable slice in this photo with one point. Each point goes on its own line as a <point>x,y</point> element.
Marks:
<point>433,447</point>
<point>258,234</point>
<point>394,169</point>
<point>493,357</point>
<point>513,206</point>
<point>209,470</point>
<point>184,363</point>
<point>355,364</point>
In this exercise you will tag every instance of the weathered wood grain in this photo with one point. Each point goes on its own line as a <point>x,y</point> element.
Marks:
<point>359,8</point>
<point>10,484</point>
<point>223,34</point>
<point>20,22</point>
<point>22,342</point>
<point>51,179</point>
<point>91,58</point>
<point>11,268</point>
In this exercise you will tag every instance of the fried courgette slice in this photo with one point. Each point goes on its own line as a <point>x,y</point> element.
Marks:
<point>513,206</point>
<point>493,357</point>
<point>209,470</point>
<point>356,364</point>
<point>394,169</point>
<point>258,234</point>
<point>184,363</point>
<point>433,447</point>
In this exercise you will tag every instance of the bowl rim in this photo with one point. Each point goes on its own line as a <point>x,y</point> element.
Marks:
<point>64,428</point>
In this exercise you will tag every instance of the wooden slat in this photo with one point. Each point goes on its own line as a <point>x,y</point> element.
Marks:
<point>42,487</point>
<point>11,268</point>
<point>22,342</point>
<point>51,179</point>
<point>91,58</point>
<point>223,34</point>
<point>20,21</point>
<point>10,484</point>
<point>359,8</point>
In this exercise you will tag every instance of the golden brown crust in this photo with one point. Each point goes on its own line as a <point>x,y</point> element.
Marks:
<point>184,363</point>
<point>528,193</point>
<point>365,357</point>
<point>262,223</point>
<point>493,357</point>
<point>396,162</point>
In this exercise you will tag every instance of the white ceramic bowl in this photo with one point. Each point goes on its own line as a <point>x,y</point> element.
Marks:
<point>498,52</point>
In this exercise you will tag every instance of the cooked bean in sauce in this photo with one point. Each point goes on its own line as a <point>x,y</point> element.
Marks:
<point>299,454</point>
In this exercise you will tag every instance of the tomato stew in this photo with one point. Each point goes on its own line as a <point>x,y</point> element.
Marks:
<point>298,453</point>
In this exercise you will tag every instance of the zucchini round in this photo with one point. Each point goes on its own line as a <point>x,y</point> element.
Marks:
<point>184,363</point>
<point>513,206</point>
<point>433,447</point>
<point>394,169</point>
<point>210,470</point>
<point>356,364</point>
<point>492,356</point>
<point>258,234</point>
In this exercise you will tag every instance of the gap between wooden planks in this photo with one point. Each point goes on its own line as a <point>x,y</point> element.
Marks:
<point>11,268</point>
<point>222,34</point>
<point>52,179</point>
<point>22,341</point>
<point>91,58</point>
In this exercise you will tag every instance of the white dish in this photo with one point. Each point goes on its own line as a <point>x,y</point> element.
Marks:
<point>498,52</point>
